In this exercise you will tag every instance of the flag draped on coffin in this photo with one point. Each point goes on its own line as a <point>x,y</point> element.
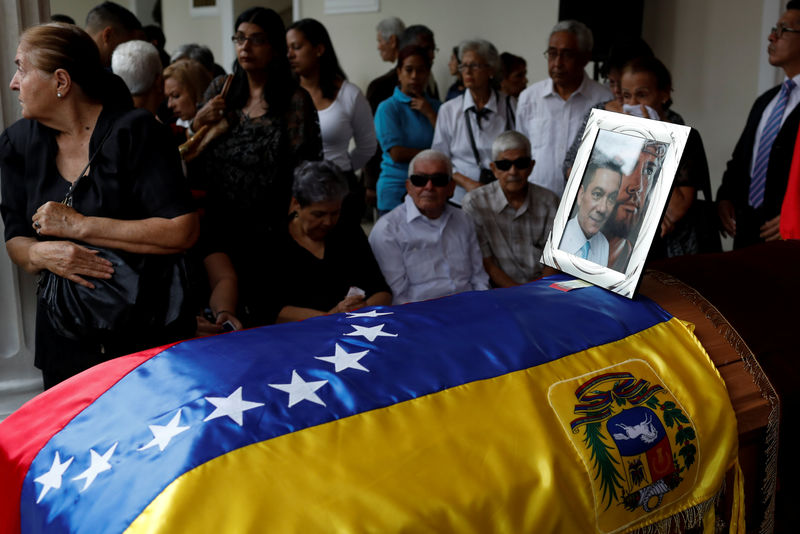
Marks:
<point>520,410</point>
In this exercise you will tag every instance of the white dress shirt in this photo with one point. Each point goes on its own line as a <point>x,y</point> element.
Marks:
<point>349,117</point>
<point>551,123</point>
<point>573,240</point>
<point>452,139</point>
<point>424,258</point>
<point>791,102</point>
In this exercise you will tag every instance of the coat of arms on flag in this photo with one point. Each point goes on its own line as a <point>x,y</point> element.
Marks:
<point>636,441</point>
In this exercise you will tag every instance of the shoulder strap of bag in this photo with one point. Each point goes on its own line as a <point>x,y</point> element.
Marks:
<point>68,199</point>
<point>472,138</point>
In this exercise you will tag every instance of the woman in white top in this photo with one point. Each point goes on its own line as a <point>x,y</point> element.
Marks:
<point>468,125</point>
<point>344,112</point>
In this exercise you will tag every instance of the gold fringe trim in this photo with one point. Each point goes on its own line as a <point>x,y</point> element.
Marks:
<point>760,379</point>
<point>685,519</point>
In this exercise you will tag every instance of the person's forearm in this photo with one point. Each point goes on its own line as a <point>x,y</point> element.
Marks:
<point>381,298</point>
<point>467,183</point>
<point>402,154</point>
<point>155,235</point>
<point>19,249</point>
<point>295,313</point>
<point>496,274</point>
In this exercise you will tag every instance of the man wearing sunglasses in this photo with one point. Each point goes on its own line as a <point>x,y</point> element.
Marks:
<point>425,247</point>
<point>754,183</point>
<point>513,217</point>
<point>596,199</point>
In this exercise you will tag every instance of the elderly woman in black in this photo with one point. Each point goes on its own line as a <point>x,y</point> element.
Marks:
<point>323,267</point>
<point>131,197</point>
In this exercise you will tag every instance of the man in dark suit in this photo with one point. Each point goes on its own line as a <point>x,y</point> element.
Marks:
<point>754,182</point>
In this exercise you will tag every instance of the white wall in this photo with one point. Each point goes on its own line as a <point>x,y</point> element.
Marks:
<point>518,26</point>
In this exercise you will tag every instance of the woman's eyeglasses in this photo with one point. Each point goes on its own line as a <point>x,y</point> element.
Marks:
<point>520,163</point>
<point>439,179</point>
<point>256,40</point>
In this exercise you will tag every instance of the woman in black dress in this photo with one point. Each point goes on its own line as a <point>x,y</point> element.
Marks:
<point>133,197</point>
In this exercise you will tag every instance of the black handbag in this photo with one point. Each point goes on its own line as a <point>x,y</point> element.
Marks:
<point>146,294</point>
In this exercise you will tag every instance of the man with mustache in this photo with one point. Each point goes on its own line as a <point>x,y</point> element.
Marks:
<point>622,227</point>
<point>595,201</point>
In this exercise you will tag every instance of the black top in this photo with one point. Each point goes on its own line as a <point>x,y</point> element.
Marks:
<point>301,279</point>
<point>136,175</point>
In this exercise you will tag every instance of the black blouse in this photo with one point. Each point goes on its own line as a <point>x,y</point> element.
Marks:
<point>136,175</point>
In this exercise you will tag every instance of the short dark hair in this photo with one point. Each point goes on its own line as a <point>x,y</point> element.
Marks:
<point>793,4</point>
<point>622,51</point>
<point>111,14</point>
<point>509,63</point>
<point>318,181</point>
<point>154,33</point>
<point>58,17</point>
<point>595,164</point>
<point>412,50</point>
<point>330,72</point>
<point>413,33</point>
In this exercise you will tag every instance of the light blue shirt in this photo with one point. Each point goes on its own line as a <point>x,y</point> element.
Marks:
<point>396,124</point>
<point>573,240</point>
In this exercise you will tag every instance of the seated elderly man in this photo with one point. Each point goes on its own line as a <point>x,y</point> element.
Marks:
<point>425,247</point>
<point>513,217</point>
<point>596,199</point>
<point>139,66</point>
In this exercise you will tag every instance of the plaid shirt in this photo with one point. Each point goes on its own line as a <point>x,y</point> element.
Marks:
<point>515,238</point>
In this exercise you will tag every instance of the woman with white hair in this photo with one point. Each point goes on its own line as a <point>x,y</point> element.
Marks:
<point>467,125</point>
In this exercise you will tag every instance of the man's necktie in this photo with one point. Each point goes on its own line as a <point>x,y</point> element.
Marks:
<point>480,114</point>
<point>584,251</point>
<point>771,129</point>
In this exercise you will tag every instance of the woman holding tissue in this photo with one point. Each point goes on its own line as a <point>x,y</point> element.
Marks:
<point>404,124</point>
<point>324,267</point>
<point>646,87</point>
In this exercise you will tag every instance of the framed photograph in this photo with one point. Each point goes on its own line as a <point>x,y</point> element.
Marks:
<point>614,199</point>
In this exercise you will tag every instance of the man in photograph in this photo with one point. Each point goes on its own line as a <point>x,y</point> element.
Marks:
<point>595,201</point>
<point>622,227</point>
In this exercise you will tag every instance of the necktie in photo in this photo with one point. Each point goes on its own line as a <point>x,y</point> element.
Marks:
<point>584,251</point>
<point>759,178</point>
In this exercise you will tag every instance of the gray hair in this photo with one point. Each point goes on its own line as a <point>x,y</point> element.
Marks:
<point>430,155</point>
<point>318,181</point>
<point>581,32</point>
<point>483,48</point>
<point>199,53</point>
<point>138,64</point>
<point>510,140</point>
<point>390,26</point>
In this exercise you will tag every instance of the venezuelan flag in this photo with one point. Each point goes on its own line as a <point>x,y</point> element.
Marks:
<point>521,410</point>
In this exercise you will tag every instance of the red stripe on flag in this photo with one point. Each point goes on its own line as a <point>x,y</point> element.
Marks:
<point>26,431</point>
<point>790,210</point>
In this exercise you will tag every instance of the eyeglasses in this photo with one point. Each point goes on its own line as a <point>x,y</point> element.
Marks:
<point>567,54</point>
<point>520,163</point>
<point>781,29</point>
<point>472,66</point>
<point>257,39</point>
<point>439,179</point>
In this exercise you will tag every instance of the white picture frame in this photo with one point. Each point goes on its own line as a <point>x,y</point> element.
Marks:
<point>609,144</point>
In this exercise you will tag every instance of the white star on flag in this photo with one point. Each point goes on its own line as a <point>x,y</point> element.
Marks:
<point>52,479</point>
<point>97,465</point>
<point>371,313</point>
<point>369,332</point>
<point>300,390</point>
<point>343,360</point>
<point>233,406</point>
<point>163,434</point>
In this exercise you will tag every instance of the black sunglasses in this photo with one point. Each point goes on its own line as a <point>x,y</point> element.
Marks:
<point>439,179</point>
<point>520,163</point>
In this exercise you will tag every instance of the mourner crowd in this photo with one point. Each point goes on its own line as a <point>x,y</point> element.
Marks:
<point>250,187</point>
